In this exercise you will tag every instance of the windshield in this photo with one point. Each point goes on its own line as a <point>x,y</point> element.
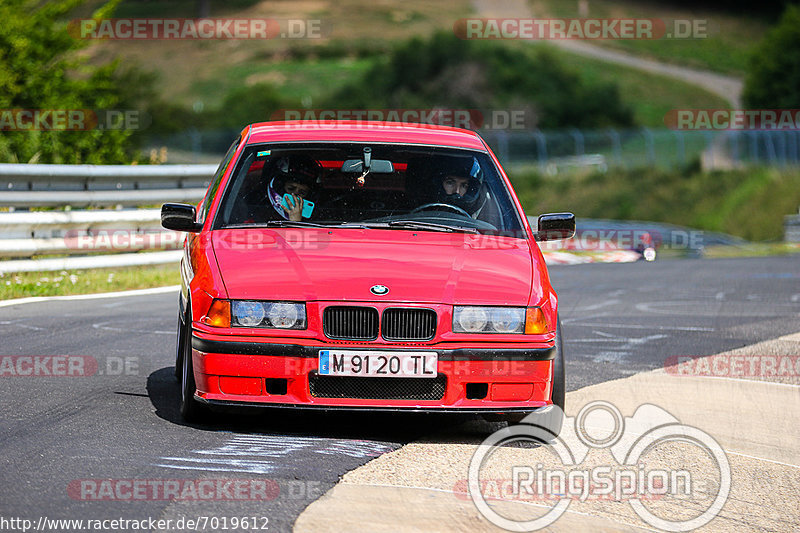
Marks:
<point>382,186</point>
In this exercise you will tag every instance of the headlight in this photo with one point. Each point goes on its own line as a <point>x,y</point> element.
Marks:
<point>279,315</point>
<point>286,315</point>
<point>248,314</point>
<point>469,319</point>
<point>508,320</point>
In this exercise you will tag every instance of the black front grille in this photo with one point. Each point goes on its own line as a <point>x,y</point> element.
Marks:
<point>351,323</point>
<point>408,324</point>
<point>377,388</point>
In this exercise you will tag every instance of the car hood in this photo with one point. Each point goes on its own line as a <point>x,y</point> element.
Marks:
<point>343,264</point>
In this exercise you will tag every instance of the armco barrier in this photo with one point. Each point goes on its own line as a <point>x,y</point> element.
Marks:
<point>132,225</point>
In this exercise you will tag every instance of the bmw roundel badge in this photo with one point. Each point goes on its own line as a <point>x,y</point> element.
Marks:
<point>379,290</point>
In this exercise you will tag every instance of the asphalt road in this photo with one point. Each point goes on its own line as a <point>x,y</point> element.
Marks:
<point>64,441</point>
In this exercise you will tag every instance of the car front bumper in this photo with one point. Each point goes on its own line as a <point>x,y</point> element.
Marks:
<point>469,379</point>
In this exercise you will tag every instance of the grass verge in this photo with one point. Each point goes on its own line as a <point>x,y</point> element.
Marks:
<point>650,95</point>
<point>25,284</point>
<point>726,47</point>
<point>750,203</point>
<point>756,249</point>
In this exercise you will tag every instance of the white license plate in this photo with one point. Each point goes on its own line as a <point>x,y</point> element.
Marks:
<point>378,364</point>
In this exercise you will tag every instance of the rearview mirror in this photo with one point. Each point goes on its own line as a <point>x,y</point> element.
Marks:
<point>180,217</point>
<point>377,166</point>
<point>554,226</point>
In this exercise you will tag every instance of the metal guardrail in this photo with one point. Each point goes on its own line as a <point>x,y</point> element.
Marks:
<point>101,185</point>
<point>67,232</point>
<point>89,173</point>
<point>791,228</point>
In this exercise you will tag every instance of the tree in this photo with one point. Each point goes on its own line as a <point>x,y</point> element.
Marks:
<point>40,70</point>
<point>773,80</point>
<point>447,72</point>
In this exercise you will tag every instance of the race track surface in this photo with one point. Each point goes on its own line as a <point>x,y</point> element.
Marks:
<point>122,422</point>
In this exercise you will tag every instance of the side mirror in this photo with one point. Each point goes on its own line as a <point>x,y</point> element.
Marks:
<point>554,226</point>
<point>180,217</point>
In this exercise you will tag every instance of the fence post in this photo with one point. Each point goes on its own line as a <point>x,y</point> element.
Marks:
<point>680,147</point>
<point>752,136</point>
<point>734,138</point>
<point>781,141</point>
<point>616,146</point>
<point>649,146</point>
<point>770,148</point>
<point>579,144</point>
<point>502,144</point>
<point>541,147</point>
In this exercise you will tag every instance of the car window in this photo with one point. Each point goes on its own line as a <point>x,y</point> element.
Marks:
<point>215,181</point>
<point>370,185</point>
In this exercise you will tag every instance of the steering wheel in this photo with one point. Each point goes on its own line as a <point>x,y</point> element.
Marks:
<point>439,205</point>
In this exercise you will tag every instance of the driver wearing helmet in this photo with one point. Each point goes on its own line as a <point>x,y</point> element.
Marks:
<point>459,183</point>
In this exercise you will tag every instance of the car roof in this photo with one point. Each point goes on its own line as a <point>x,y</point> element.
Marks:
<point>364,131</point>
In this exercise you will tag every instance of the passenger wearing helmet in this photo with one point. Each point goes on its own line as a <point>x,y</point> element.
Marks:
<point>262,196</point>
<point>296,177</point>
<point>459,183</point>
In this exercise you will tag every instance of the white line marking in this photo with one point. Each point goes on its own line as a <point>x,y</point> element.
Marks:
<point>750,381</point>
<point>103,326</point>
<point>595,307</point>
<point>762,459</point>
<point>574,319</point>
<point>264,470</point>
<point>794,337</point>
<point>569,341</point>
<point>610,357</point>
<point>523,502</point>
<point>603,334</point>
<point>118,294</point>
<point>638,434</point>
<point>16,323</point>
<point>636,326</point>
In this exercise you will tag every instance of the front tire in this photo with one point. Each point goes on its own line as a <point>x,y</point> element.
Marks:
<point>552,419</point>
<point>191,409</point>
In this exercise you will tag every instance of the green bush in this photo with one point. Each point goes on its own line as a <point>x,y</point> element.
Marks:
<point>444,71</point>
<point>39,70</point>
<point>773,81</point>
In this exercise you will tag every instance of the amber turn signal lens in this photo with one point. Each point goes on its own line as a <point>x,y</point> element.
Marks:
<point>535,322</point>
<point>219,314</point>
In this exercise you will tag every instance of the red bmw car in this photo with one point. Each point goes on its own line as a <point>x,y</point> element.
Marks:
<point>366,266</point>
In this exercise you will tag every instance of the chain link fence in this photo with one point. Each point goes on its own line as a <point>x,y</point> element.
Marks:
<point>559,151</point>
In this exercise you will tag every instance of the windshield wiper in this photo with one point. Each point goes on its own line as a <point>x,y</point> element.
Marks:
<point>430,226</point>
<point>292,224</point>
